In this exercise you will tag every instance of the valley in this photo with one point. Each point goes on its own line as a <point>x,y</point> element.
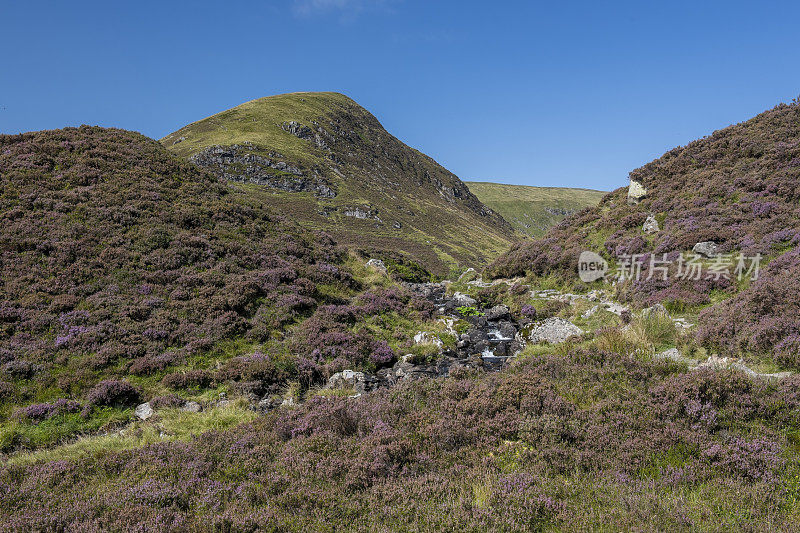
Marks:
<point>187,343</point>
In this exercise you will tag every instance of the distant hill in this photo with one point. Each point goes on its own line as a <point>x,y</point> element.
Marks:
<point>533,210</point>
<point>327,163</point>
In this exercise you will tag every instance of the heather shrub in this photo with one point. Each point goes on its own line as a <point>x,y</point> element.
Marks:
<point>553,442</point>
<point>188,379</point>
<point>528,311</point>
<point>759,459</point>
<point>42,411</point>
<point>119,257</point>
<point>167,401</point>
<point>259,370</point>
<point>113,393</point>
<point>764,319</point>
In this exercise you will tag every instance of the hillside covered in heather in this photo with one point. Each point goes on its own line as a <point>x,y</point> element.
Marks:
<point>131,275</point>
<point>738,188</point>
<point>177,356</point>
<point>326,162</point>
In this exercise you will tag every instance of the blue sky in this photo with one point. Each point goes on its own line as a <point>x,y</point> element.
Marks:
<point>540,93</point>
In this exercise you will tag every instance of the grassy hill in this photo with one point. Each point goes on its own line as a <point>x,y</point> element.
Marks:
<point>324,161</point>
<point>533,210</point>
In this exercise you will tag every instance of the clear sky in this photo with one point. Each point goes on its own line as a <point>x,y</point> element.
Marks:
<point>540,93</point>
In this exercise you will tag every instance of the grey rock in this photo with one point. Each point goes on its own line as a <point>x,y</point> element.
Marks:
<point>377,264</point>
<point>269,403</point>
<point>559,211</point>
<point>424,337</point>
<point>346,379</point>
<point>672,353</point>
<point>361,213</point>
<point>288,402</point>
<point>651,225</point>
<point>464,299</point>
<point>636,192</point>
<point>656,310</point>
<point>143,411</point>
<point>554,331</point>
<point>192,407</point>
<point>706,249</point>
<point>497,312</point>
<point>506,330</point>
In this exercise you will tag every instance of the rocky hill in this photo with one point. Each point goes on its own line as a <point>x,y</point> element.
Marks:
<point>726,198</point>
<point>326,162</point>
<point>533,210</point>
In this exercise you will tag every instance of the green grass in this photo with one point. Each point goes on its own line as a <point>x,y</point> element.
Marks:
<point>25,435</point>
<point>525,207</point>
<point>166,425</point>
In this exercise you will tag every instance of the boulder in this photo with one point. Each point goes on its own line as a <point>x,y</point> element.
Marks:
<point>377,264</point>
<point>143,411</point>
<point>423,337</point>
<point>464,300</point>
<point>269,402</point>
<point>706,249</point>
<point>507,330</point>
<point>650,225</point>
<point>636,191</point>
<point>192,407</point>
<point>672,353</point>
<point>498,312</point>
<point>346,379</point>
<point>554,331</point>
<point>657,309</point>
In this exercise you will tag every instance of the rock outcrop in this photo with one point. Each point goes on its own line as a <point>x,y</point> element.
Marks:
<point>636,192</point>
<point>247,164</point>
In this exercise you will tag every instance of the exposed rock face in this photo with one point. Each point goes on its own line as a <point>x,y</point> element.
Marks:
<point>560,211</point>
<point>554,331</point>
<point>246,164</point>
<point>350,379</point>
<point>362,213</point>
<point>636,191</point>
<point>651,225</point>
<point>672,353</point>
<point>706,249</point>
